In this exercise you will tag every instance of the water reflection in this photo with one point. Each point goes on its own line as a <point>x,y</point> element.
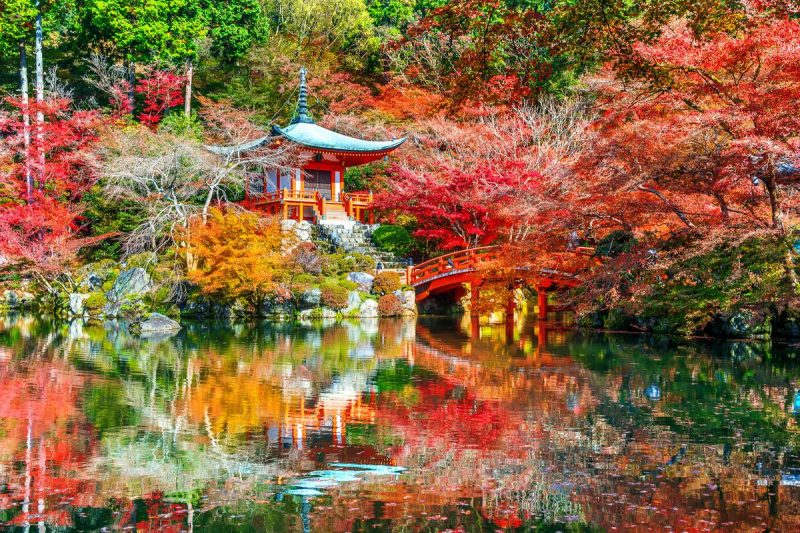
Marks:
<point>428,425</point>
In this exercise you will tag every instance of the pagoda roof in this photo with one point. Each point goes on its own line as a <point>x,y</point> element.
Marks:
<point>313,136</point>
<point>303,131</point>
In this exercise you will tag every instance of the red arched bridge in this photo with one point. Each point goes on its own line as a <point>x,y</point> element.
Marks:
<point>448,273</point>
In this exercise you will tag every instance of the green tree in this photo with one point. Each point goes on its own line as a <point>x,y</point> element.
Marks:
<point>144,30</point>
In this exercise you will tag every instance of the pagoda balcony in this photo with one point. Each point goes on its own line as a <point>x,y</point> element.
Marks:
<point>313,206</point>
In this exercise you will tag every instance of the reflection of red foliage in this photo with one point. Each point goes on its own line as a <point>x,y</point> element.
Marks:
<point>161,515</point>
<point>446,413</point>
<point>45,433</point>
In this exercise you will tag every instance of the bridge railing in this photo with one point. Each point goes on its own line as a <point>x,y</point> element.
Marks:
<point>472,258</point>
<point>459,261</point>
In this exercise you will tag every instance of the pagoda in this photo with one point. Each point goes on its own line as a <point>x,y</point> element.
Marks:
<point>314,191</point>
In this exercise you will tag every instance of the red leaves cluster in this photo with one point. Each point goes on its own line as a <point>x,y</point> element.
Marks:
<point>710,146</point>
<point>458,208</point>
<point>39,226</point>
<point>161,90</point>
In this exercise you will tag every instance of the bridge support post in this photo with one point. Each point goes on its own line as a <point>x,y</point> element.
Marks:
<point>541,302</point>
<point>475,319</point>
<point>510,307</point>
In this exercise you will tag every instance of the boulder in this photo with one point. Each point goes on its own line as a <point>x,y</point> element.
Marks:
<point>133,281</point>
<point>276,307</point>
<point>302,230</point>
<point>353,302</point>
<point>11,299</point>
<point>743,323</point>
<point>76,300</point>
<point>158,324</point>
<point>317,314</point>
<point>362,279</point>
<point>408,300</point>
<point>368,309</point>
<point>14,299</point>
<point>311,297</point>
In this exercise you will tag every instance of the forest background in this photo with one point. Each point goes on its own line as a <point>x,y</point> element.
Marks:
<point>661,134</point>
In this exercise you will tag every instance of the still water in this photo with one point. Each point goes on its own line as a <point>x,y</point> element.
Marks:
<point>428,425</point>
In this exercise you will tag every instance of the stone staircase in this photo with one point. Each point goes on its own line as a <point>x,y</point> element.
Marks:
<point>353,236</point>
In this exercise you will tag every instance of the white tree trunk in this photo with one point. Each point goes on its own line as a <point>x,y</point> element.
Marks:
<point>187,105</point>
<point>26,119</point>
<point>39,94</point>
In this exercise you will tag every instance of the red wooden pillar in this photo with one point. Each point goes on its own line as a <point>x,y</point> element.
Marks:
<point>542,303</point>
<point>475,319</point>
<point>511,306</point>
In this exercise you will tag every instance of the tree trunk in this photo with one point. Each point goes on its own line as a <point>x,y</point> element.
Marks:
<point>774,202</point>
<point>131,84</point>
<point>39,95</point>
<point>187,104</point>
<point>26,119</point>
<point>680,214</point>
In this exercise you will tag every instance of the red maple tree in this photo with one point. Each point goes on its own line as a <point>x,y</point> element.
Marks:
<point>41,227</point>
<point>161,90</point>
<point>458,208</point>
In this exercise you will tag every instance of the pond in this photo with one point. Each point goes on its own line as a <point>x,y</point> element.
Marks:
<point>427,425</point>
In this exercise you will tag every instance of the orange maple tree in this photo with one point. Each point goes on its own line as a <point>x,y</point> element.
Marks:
<point>236,255</point>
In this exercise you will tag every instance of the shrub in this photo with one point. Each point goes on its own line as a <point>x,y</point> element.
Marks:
<point>144,260</point>
<point>389,305</point>
<point>348,284</point>
<point>393,239</point>
<point>342,263</point>
<point>386,283</point>
<point>334,297</point>
<point>95,303</point>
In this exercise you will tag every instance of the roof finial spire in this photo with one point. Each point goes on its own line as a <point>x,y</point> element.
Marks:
<point>302,101</point>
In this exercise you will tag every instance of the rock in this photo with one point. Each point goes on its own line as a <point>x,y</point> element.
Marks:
<point>11,299</point>
<point>275,307</point>
<point>744,323</point>
<point>408,300</point>
<point>353,302</point>
<point>323,313</point>
<point>14,299</point>
<point>94,281</point>
<point>363,279</point>
<point>76,300</point>
<point>311,297</point>
<point>133,281</point>
<point>302,229</point>
<point>158,324</point>
<point>368,309</point>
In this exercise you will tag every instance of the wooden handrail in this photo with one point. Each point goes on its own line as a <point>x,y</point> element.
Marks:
<point>471,258</point>
<point>288,195</point>
<point>457,261</point>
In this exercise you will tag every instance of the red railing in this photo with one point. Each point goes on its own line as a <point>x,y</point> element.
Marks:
<point>351,200</point>
<point>444,265</point>
<point>285,195</point>
<point>320,204</point>
<point>470,259</point>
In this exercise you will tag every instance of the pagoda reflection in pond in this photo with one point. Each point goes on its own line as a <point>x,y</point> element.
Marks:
<point>390,425</point>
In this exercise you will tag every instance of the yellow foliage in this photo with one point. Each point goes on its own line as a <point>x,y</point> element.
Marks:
<point>237,255</point>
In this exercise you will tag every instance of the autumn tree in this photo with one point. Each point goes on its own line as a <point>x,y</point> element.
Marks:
<point>710,148</point>
<point>238,255</point>
<point>41,230</point>
<point>175,177</point>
